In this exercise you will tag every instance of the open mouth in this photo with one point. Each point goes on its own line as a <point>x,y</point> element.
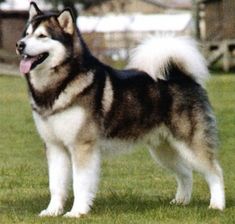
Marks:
<point>29,62</point>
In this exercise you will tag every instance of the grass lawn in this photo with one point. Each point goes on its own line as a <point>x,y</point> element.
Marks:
<point>132,188</point>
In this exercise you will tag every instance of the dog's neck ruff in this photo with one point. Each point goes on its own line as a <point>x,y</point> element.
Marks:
<point>61,94</point>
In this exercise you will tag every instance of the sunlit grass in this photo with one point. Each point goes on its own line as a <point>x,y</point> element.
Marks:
<point>132,188</point>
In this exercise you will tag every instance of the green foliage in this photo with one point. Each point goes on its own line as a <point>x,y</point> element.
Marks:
<point>132,188</point>
<point>71,4</point>
<point>86,3</point>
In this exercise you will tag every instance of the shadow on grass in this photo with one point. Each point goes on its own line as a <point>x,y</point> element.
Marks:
<point>113,203</point>
<point>108,204</point>
<point>128,203</point>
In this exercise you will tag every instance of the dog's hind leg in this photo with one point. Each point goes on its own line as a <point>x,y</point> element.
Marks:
<point>214,178</point>
<point>59,176</point>
<point>203,159</point>
<point>169,158</point>
<point>184,189</point>
<point>86,166</point>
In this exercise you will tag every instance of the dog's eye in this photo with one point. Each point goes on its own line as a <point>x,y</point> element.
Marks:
<point>42,36</point>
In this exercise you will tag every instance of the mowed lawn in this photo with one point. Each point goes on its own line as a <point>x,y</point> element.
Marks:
<point>132,188</point>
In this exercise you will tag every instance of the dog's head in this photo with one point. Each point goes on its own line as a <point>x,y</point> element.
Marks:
<point>47,40</point>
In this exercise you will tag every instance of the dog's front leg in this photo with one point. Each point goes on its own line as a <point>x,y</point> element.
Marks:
<point>86,166</point>
<point>59,175</point>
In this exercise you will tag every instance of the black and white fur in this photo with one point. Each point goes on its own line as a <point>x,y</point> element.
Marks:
<point>81,106</point>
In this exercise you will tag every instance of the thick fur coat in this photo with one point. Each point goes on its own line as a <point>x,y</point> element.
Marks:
<point>81,106</point>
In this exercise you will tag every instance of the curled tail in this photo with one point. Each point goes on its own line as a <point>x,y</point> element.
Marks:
<point>156,55</point>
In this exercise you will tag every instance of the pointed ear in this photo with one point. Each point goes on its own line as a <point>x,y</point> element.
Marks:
<point>33,10</point>
<point>66,21</point>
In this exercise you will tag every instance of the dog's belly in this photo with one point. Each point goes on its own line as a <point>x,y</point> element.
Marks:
<point>62,127</point>
<point>115,146</point>
<point>121,145</point>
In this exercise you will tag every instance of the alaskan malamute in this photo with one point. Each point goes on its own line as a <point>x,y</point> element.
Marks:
<point>81,106</point>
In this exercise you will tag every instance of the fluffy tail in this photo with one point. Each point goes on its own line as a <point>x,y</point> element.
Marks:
<point>156,55</point>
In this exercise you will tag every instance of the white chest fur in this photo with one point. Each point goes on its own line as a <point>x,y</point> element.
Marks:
<point>62,127</point>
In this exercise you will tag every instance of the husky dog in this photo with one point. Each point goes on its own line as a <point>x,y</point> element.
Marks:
<point>81,106</point>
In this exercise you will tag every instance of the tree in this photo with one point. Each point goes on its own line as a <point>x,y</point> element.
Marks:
<point>71,4</point>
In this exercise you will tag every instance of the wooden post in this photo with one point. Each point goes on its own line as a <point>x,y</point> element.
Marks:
<point>0,32</point>
<point>195,13</point>
<point>226,56</point>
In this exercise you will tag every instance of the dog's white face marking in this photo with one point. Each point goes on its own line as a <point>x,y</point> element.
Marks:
<point>41,30</point>
<point>39,42</point>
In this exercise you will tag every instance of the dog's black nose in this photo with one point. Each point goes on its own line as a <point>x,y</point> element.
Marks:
<point>20,45</point>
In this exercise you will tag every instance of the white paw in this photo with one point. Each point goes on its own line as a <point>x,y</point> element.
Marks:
<point>216,206</point>
<point>73,214</point>
<point>180,201</point>
<point>51,212</point>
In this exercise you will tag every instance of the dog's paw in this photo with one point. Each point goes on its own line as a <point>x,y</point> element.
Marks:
<point>217,207</point>
<point>217,202</point>
<point>180,201</point>
<point>51,212</point>
<point>73,214</point>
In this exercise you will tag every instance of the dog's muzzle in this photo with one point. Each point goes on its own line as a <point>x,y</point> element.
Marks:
<point>20,46</point>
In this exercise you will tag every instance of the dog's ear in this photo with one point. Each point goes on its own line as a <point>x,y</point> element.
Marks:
<point>66,21</point>
<point>33,10</point>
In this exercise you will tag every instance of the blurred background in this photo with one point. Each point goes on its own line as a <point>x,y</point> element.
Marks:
<point>111,28</point>
<point>132,191</point>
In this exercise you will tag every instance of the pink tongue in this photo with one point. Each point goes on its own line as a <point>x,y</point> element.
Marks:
<point>25,65</point>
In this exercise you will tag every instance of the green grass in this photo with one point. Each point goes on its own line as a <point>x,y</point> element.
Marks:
<point>132,188</point>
